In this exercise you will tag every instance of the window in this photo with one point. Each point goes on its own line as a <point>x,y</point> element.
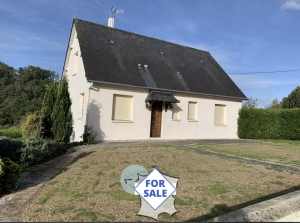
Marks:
<point>220,111</point>
<point>75,63</point>
<point>176,111</point>
<point>80,105</point>
<point>122,107</point>
<point>192,115</point>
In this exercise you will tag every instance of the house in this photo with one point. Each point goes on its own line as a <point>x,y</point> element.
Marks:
<point>130,86</point>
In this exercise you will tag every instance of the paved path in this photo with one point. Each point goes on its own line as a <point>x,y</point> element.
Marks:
<point>35,176</point>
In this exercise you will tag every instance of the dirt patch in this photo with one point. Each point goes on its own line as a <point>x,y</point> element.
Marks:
<point>90,190</point>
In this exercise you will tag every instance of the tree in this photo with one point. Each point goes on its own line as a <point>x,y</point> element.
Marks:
<point>32,126</point>
<point>47,108</point>
<point>292,100</point>
<point>22,91</point>
<point>275,104</point>
<point>251,103</point>
<point>62,126</point>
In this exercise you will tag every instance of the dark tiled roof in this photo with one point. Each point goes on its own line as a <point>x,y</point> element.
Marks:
<point>112,55</point>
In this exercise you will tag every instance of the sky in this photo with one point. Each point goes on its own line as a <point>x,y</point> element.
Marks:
<point>256,42</point>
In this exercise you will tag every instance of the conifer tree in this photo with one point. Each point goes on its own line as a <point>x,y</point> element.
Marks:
<point>47,108</point>
<point>62,120</point>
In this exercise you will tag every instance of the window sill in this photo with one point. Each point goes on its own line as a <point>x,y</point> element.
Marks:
<point>79,118</point>
<point>74,74</point>
<point>222,125</point>
<point>121,121</point>
<point>176,120</point>
<point>192,120</point>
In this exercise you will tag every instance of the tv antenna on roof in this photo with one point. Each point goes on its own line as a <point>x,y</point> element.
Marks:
<point>113,11</point>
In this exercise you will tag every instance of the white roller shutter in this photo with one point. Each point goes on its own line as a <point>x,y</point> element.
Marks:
<point>220,114</point>
<point>192,111</point>
<point>122,107</point>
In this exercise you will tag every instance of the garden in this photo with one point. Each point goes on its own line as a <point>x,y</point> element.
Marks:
<point>89,189</point>
<point>44,135</point>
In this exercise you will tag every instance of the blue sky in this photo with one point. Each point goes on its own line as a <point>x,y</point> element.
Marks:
<point>245,37</point>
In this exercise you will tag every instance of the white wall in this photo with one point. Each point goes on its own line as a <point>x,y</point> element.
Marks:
<point>77,85</point>
<point>98,105</point>
<point>139,128</point>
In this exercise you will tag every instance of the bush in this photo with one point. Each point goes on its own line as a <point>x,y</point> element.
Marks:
<point>32,126</point>
<point>6,147</point>
<point>89,134</point>
<point>257,123</point>
<point>38,150</point>
<point>1,168</point>
<point>10,148</point>
<point>9,179</point>
<point>73,144</point>
<point>13,132</point>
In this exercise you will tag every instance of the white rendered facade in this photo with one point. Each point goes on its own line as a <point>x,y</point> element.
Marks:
<point>92,104</point>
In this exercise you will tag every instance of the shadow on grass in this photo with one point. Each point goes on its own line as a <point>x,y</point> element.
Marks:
<point>41,173</point>
<point>221,209</point>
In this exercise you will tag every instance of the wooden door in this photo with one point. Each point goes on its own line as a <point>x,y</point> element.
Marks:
<point>156,119</point>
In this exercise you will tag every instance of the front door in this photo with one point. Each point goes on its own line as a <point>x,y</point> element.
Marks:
<point>156,119</point>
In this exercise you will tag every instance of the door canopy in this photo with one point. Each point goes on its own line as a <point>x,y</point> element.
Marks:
<point>166,97</point>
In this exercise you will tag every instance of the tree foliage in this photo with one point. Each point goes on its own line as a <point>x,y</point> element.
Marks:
<point>62,120</point>
<point>251,103</point>
<point>292,100</point>
<point>21,91</point>
<point>275,104</point>
<point>32,126</point>
<point>47,108</point>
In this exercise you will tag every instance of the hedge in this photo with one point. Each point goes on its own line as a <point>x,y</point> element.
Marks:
<point>259,123</point>
<point>14,133</point>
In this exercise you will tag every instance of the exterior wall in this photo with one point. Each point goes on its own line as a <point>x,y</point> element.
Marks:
<point>100,115</point>
<point>77,85</point>
<point>98,106</point>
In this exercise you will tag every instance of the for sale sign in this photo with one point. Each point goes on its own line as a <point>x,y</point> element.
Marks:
<point>155,189</point>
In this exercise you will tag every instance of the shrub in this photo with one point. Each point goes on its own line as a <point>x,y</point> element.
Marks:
<point>89,134</point>
<point>10,148</point>
<point>17,146</point>
<point>9,180</point>
<point>13,132</point>
<point>260,123</point>
<point>73,144</point>
<point>1,168</point>
<point>38,150</point>
<point>6,147</point>
<point>32,126</point>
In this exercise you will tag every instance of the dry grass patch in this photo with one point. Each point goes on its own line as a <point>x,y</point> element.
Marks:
<point>278,151</point>
<point>90,189</point>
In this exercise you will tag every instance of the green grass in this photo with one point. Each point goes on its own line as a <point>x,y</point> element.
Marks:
<point>279,151</point>
<point>121,195</point>
<point>84,167</point>
<point>99,173</point>
<point>95,184</point>
<point>13,132</point>
<point>91,216</point>
<point>47,196</point>
<point>216,189</point>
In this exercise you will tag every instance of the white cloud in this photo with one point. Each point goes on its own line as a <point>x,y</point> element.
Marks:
<point>291,4</point>
<point>255,82</point>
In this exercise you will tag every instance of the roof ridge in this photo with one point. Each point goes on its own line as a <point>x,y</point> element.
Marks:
<point>148,37</point>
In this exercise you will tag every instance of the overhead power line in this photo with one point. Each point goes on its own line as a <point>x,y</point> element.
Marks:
<point>270,87</point>
<point>267,72</point>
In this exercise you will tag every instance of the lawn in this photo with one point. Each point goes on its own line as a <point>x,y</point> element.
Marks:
<point>90,190</point>
<point>277,151</point>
